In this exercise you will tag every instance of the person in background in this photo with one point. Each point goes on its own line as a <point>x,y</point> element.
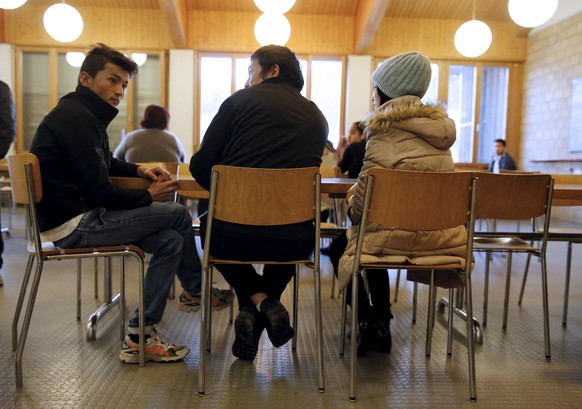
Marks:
<point>402,133</point>
<point>81,207</point>
<point>501,160</point>
<point>7,134</point>
<point>152,143</point>
<point>352,157</point>
<point>268,124</point>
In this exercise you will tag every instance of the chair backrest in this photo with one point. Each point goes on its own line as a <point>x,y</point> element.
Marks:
<point>513,196</point>
<point>411,200</point>
<point>18,178</point>
<point>264,197</point>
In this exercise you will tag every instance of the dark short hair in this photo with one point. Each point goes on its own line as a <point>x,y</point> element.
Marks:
<point>155,116</point>
<point>360,126</point>
<point>101,54</point>
<point>289,66</point>
<point>501,141</point>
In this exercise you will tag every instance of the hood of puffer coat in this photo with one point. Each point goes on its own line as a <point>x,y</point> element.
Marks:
<point>409,114</point>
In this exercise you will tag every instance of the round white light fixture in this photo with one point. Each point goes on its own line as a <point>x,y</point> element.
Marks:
<point>272,29</point>
<point>531,13</point>
<point>11,4</point>
<point>274,6</point>
<point>63,22</point>
<point>473,38</point>
<point>75,58</point>
<point>139,58</point>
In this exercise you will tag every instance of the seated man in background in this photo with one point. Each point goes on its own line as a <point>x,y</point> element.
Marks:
<point>501,159</point>
<point>80,206</point>
<point>269,124</point>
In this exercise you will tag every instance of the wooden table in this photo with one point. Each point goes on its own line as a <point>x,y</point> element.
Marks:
<point>334,187</point>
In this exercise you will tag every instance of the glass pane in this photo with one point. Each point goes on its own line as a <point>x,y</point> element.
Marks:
<point>35,93</point>
<point>215,77</point>
<point>67,76</point>
<point>432,94</point>
<point>303,64</point>
<point>242,72</point>
<point>147,91</point>
<point>492,110</point>
<point>461,108</point>
<point>326,88</point>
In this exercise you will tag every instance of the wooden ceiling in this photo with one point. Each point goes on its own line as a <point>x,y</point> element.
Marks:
<point>487,10</point>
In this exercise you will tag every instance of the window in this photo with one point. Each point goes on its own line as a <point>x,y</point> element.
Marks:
<point>461,108</point>
<point>492,110</point>
<point>35,93</point>
<point>326,93</point>
<point>220,76</point>
<point>215,87</point>
<point>41,91</point>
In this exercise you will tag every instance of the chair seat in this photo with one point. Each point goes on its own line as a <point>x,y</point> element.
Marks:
<point>49,249</point>
<point>515,244</point>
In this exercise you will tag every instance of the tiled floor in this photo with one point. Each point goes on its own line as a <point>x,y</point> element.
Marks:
<point>62,370</point>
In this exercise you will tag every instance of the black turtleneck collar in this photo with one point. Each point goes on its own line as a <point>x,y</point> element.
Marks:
<point>102,110</point>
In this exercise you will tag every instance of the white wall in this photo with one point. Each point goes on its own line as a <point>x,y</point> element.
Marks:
<point>182,96</point>
<point>358,88</point>
<point>7,65</point>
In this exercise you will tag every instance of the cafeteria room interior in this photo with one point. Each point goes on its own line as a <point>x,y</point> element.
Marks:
<point>525,88</point>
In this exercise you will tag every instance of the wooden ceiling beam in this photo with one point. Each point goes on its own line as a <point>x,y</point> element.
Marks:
<point>175,13</point>
<point>367,22</point>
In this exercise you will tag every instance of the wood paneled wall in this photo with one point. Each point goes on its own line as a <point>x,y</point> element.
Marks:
<point>120,28</point>
<point>435,38</point>
<point>234,32</point>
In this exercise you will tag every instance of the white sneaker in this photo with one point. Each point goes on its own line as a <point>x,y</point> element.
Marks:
<point>156,349</point>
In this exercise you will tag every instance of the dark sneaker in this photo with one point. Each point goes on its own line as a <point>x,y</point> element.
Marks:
<point>156,349</point>
<point>248,327</point>
<point>220,300</point>
<point>372,336</point>
<point>276,321</point>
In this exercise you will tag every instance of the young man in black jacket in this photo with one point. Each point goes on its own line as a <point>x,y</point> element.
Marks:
<point>82,208</point>
<point>269,124</point>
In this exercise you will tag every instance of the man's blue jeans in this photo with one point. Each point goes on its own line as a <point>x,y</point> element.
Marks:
<point>163,229</point>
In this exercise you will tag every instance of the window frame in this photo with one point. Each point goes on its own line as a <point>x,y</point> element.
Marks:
<point>53,84</point>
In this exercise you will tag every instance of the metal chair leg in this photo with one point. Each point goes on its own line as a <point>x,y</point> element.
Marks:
<point>78,289</point>
<point>397,285</point>
<point>507,284</point>
<point>21,296</point>
<point>295,307</point>
<point>567,289</point>
<point>414,301</point>
<point>545,308</point>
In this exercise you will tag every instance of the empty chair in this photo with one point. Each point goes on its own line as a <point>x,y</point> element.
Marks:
<point>569,235</point>
<point>515,197</point>
<point>27,190</point>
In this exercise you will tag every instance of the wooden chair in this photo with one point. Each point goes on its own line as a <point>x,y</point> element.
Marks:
<point>512,197</point>
<point>441,200</point>
<point>568,235</point>
<point>262,197</point>
<point>27,190</point>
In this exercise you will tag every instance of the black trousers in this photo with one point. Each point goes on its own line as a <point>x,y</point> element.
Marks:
<point>377,303</point>
<point>247,243</point>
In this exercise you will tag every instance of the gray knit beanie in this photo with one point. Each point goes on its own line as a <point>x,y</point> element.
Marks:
<point>403,74</point>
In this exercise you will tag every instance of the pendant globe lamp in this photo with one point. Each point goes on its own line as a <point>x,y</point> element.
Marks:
<point>272,29</point>
<point>63,22</point>
<point>274,6</point>
<point>473,37</point>
<point>11,4</point>
<point>531,13</point>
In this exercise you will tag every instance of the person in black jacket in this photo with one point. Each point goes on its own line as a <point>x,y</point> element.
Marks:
<point>80,206</point>
<point>351,157</point>
<point>7,134</point>
<point>269,124</point>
